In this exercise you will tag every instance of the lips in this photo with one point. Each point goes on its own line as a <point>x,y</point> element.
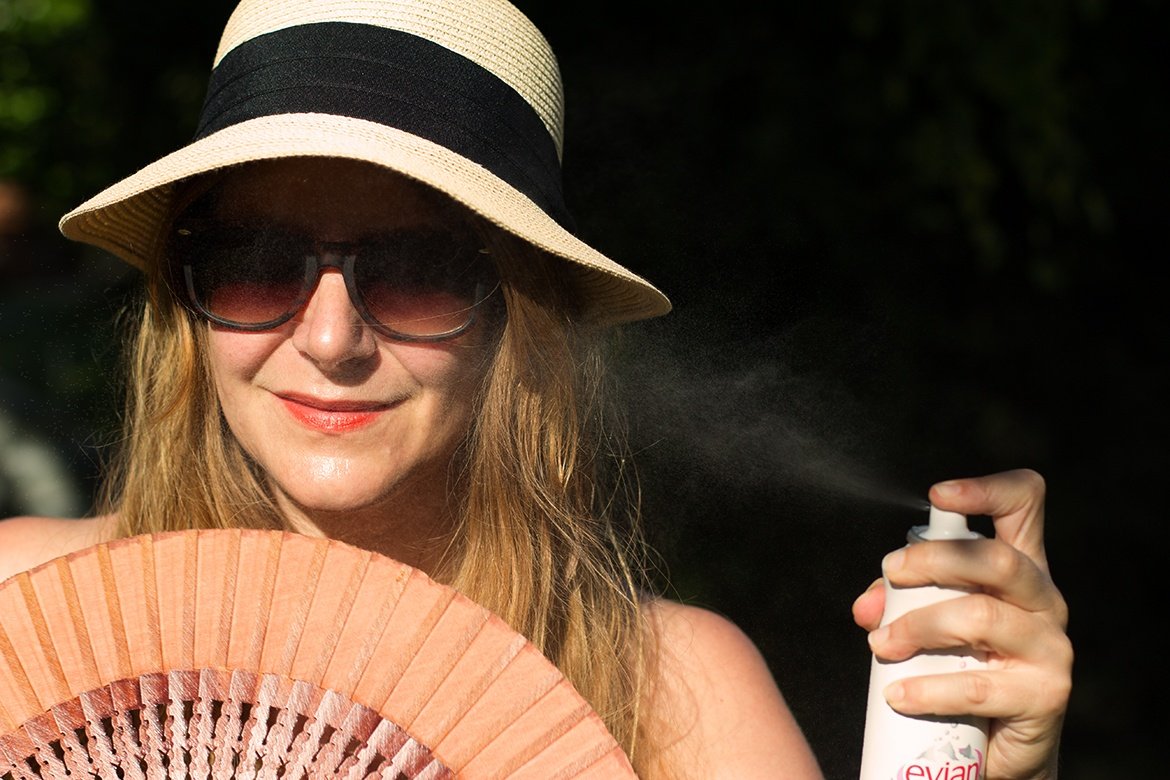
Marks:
<point>332,416</point>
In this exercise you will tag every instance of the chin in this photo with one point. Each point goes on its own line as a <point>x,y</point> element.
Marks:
<point>333,502</point>
<point>338,478</point>
<point>350,494</point>
<point>333,511</point>
<point>338,485</point>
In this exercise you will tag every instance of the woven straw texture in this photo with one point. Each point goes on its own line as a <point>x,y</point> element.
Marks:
<point>492,33</point>
<point>128,217</point>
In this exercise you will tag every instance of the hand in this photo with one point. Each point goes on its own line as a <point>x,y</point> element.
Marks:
<point>1019,618</point>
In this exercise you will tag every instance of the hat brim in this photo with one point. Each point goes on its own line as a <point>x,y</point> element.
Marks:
<point>126,218</point>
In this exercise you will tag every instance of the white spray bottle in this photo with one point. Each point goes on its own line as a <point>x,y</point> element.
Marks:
<point>901,747</point>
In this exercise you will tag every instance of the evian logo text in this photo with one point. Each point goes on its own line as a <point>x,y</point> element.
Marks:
<point>927,769</point>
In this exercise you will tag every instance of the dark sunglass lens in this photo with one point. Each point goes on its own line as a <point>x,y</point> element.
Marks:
<point>246,276</point>
<point>420,283</point>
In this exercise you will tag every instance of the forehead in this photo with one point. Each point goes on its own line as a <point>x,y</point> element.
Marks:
<point>334,198</point>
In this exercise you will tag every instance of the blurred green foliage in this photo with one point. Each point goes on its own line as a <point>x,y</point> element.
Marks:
<point>91,91</point>
<point>34,77</point>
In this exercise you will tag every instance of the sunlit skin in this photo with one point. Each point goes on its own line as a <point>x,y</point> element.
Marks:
<point>354,431</point>
<point>356,434</point>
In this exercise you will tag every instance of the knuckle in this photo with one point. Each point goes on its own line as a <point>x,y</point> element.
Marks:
<point>1060,611</point>
<point>976,688</point>
<point>924,555</point>
<point>1052,694</point>
<point>1008,562</point>
<point>1064,656</point>
<point>903,632</point>
<point>983,611</point>
<point>1033,480</point>
<point>1059,692</point>
<point>1032,488</point>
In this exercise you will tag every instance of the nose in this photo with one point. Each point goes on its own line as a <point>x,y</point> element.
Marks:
<point>329,329</point>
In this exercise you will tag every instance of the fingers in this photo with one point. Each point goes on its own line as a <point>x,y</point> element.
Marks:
<point>1026,708</point>
<point>987,565</point>
<point>1007,634</point>
<point>1004,694</point>
<point>1013,499</point>
<point>1029,660</point>
<point>1011,567</point>
<point>1014,567</point>
<point>867,609</point>
<point>1013,613</point>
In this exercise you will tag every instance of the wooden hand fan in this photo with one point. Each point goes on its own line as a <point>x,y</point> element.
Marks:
<point>265,654</point>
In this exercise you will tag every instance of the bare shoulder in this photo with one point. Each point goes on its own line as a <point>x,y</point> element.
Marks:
<point>697,633</point>
<point>726,715</point>
<point>27,542</point>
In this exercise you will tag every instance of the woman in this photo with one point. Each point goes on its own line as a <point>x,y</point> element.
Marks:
<point>367,318</point>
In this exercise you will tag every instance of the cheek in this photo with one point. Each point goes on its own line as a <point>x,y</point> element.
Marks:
<point>448,378</point>
<point>238,356</point>
<point>235,359</point>
<point>452,372</point>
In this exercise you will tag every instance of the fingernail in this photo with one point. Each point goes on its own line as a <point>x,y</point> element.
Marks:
<point>894,693</point>
<point>878,636</point>
<point>948,488</point>
<point>893,561</point>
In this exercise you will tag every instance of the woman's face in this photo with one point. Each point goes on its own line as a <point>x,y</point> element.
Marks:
<point>341,418</point>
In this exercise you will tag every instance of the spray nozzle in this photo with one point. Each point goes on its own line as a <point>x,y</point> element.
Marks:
<point>943,525</point>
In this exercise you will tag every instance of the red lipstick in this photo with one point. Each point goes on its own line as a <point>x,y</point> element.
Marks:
<point>331,416</point>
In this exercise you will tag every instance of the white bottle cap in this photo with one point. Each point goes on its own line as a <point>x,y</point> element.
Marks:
<point>945,525</point>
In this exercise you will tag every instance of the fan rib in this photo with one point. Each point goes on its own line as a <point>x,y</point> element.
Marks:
<point>202,723</point>
<point>152,728</point>
<point>521,685</point>
<point>114,606</point>
<point>95,706</point>
<point>298,580</point>
<point>257,655</point>
<point>308,742</point>
<point>216,567</point>
<point>465,685</point>
<point>415,614</point>
<point>325,617</point>
<point>88,676</point>
<point>151,604</point>
<point>573,752</point>
<point>167,586</point>
<point>21,698</point>
<point>190,595</point>
<point>54,686</point>
<point>431,663</point>
<point>541,724</point>
<point>251,613</point>
<point>43,731</point>
<point>126,698</point>
<point>132,562</point>
<point>381,589</point>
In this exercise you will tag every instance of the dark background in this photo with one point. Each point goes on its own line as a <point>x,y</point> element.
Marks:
<point>905,241</point>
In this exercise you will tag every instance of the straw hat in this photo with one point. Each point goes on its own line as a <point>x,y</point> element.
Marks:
<point>462,95</point>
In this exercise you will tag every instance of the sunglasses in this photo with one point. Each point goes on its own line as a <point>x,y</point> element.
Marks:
<point>410,285</point>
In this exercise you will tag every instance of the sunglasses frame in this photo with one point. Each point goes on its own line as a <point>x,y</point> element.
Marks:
<point>341,256</point>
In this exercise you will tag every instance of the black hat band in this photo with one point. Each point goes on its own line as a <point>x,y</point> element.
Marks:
<point>396,79</point>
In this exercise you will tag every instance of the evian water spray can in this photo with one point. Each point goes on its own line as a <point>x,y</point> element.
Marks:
<point>901,747</point>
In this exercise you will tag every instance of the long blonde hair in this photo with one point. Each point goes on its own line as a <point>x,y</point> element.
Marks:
<point>548,491</point>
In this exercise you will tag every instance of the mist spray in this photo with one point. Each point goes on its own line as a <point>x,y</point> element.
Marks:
<point>902,747</point>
